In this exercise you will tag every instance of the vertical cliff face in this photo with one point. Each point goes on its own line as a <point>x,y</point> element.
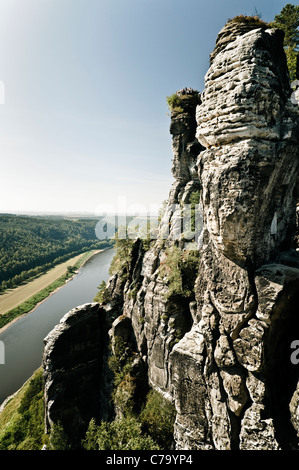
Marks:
<point>211,316</point>
<point>76,377</point>
<point>230,373</point>
<point>161,309</point>
<point>249,127</point>
<point>248,279</point>
<point>185,146</point>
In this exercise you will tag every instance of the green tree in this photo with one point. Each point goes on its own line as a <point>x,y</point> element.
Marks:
<point>58,439</point>
<point>70,270</point>
<point>102,295</point>
<point>157,419</point>
<point>121,434</point>
<point>90,440</point>
<point>122,258</point>
<point>288,21</point>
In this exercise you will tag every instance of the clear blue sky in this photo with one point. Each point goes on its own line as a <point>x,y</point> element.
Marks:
<point>85,117</point>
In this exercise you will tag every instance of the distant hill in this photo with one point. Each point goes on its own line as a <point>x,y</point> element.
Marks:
<point>31,244</point>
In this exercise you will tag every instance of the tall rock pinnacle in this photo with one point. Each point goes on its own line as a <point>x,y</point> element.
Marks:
<point>250,130</point>
<point>248,281</point>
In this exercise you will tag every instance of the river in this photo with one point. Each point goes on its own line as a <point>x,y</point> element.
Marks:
<point>23,339</point>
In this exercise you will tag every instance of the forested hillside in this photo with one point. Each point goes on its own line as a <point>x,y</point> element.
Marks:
<point>30,245</point>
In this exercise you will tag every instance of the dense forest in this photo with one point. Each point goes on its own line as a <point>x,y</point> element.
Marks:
<point>30,245</point>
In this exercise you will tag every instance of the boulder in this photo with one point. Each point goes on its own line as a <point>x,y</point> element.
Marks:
<point>76,378</point>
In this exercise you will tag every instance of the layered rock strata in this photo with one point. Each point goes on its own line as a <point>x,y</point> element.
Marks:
<point>248,280</point>
<point>76,377</point>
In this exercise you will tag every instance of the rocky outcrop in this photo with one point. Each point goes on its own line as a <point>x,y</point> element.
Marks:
<point>237,330</point>
<point>76,377</point>
<point>185,146</point>
<point>149,308</point>
<point>246,306</point>
<point>211,314</point>
<point>249,127</point>
<point>160,307</point>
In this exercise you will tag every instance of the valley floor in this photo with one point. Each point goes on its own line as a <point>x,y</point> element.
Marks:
<point>14,297</point>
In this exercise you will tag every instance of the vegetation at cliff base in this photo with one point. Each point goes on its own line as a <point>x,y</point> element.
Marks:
<point>152,429</point>
<point>157,419</point>
<point>22,421</point>
<point>121,434</point>
<point>145,426</point>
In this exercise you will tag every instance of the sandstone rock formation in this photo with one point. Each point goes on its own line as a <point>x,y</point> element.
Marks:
<point>76,377</point>
<point>248,174</point>
<point>211,317</point>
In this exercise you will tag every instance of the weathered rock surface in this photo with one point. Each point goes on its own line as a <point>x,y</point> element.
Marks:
<point>250,129</point>
<point>76,376</point>
<point>212,318</point>
<point>248,175</point>
<point>230,375</point>
<point>160,318</point>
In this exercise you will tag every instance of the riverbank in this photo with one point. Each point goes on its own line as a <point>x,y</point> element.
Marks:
<point>23,338</point>
<point>25,299</point>
<point>12,412</point>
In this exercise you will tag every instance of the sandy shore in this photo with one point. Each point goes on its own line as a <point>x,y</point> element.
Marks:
<point>67,263</point>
